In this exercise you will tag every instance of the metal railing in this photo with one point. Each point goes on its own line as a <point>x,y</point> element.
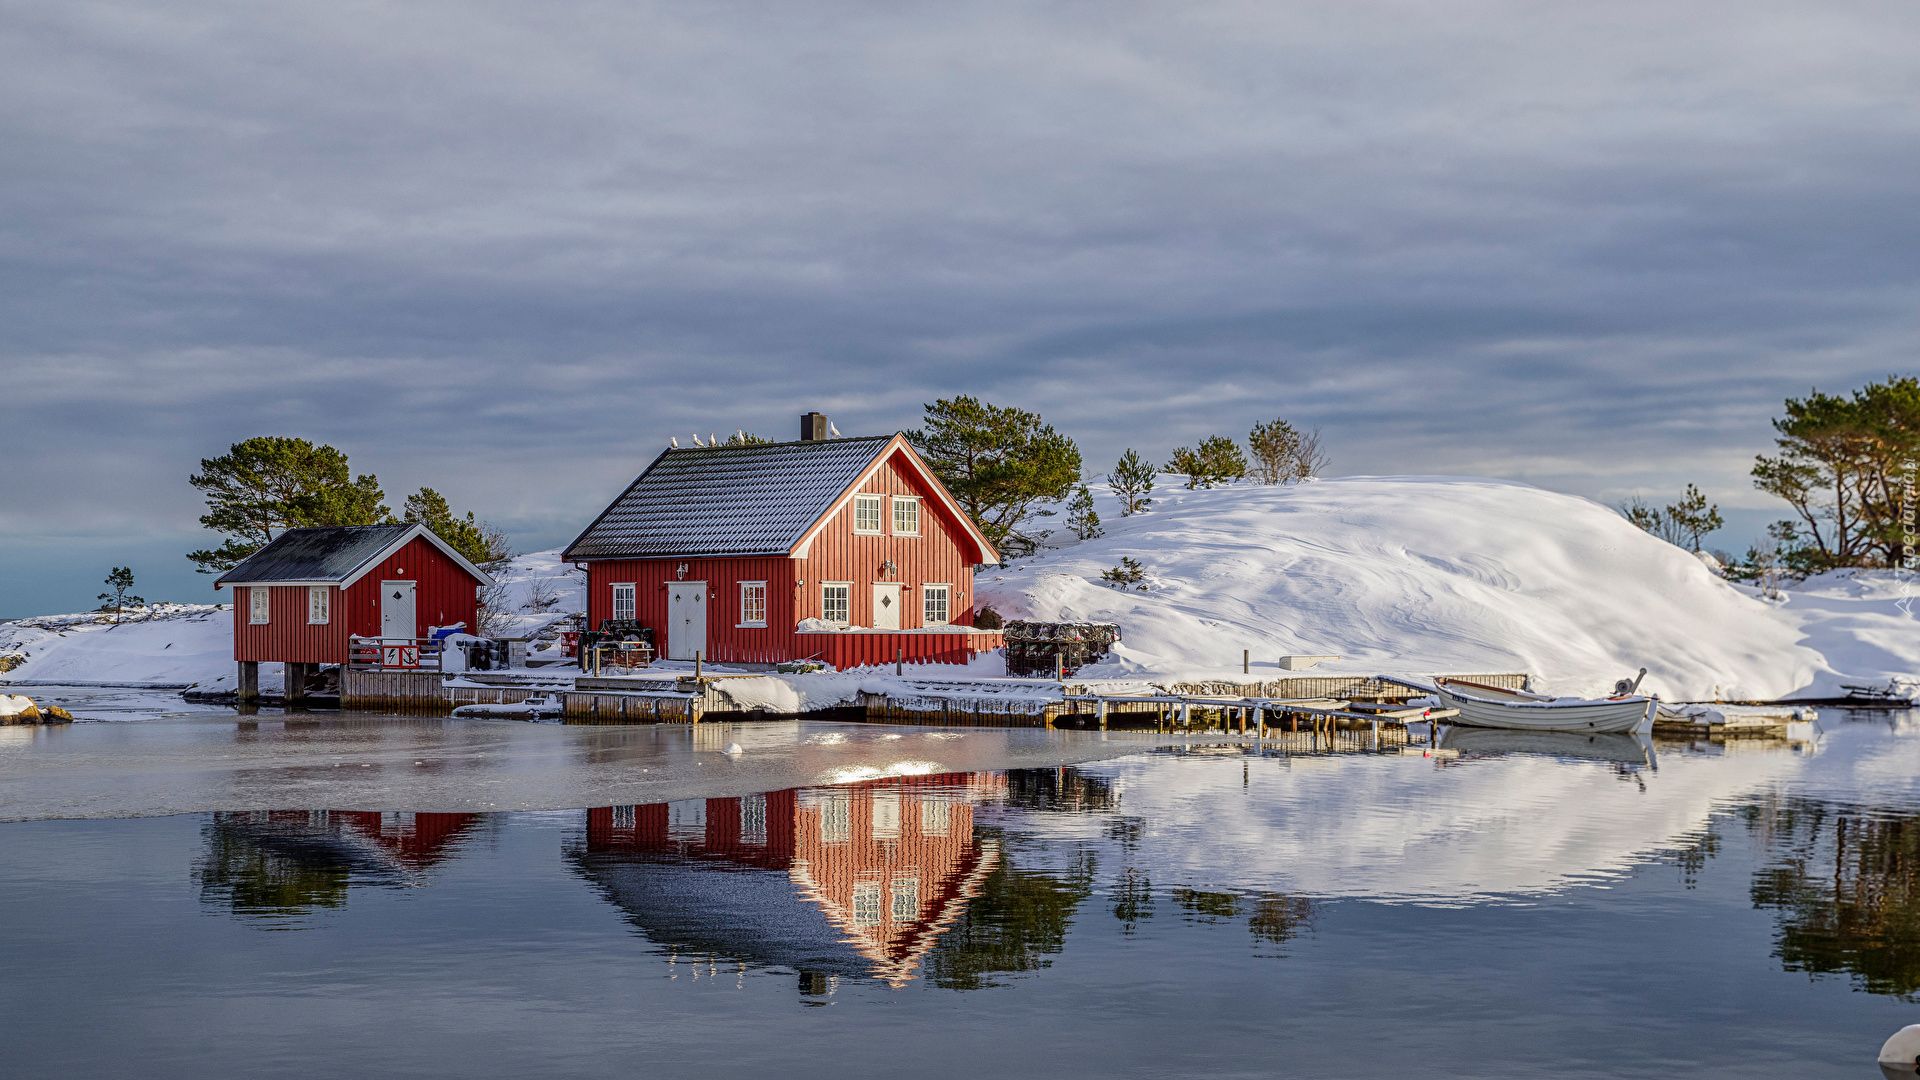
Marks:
<point>394,653</point>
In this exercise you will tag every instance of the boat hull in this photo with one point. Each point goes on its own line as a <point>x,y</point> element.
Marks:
<point>1621,717</point>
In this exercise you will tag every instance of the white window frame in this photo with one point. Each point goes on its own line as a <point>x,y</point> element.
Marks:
<point>746,601</point>
<point>905,502</point>
<point>319,605</point>
<point>846,589</point>
<point>927,593</point>
<point>259,606</point>
<point>632,598</point>
<point>875,503</point>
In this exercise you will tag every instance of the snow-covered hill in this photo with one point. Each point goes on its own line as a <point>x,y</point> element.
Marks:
<point>1445,574</point>
<point>1395,574</point>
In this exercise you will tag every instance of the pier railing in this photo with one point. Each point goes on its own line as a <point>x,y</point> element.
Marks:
<point>394,653</point>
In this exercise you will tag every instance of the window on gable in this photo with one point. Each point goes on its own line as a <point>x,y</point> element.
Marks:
<point>623,601</point>
<point>319,604</point>
<point>257,611</point>
<point>753,603</point>
<point>937,606</point>
<point>866,513</point>
<point>835,600</point>
<point>906,516</point>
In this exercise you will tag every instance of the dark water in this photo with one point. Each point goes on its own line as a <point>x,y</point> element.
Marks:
<point>1751,911</point>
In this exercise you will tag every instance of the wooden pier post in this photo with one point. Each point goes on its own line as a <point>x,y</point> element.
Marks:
<point>1246,661</point>
<point>1101,710</point>
<point>1186,716</point>
<point>249,687</point>
<point>1260,722</point>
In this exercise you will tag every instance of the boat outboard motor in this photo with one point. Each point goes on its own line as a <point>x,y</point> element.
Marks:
<point>1623,688</point>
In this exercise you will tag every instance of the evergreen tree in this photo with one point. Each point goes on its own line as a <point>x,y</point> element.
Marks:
<point>1132,480</point>
<point>1080,514</point>
<point>480,543</point>
<point>120,580</point>
<point>1274,445</point>
<point>268,484</point>
<point>1217,460</point>
<point>1844,466</point>
<point>999,462</point>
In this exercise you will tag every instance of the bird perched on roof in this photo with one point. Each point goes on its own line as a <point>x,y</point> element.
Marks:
<point>674,441</point>
<point>696,439</point>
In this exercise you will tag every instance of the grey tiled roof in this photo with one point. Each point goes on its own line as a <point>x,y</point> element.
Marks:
<point>322,554</point>
<point>727,500</point>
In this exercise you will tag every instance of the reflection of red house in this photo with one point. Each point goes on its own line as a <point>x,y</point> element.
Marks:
<point>414,840</point>
<point>889,865</point>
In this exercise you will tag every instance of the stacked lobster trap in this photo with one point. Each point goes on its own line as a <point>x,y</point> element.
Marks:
<point>1043,649</point>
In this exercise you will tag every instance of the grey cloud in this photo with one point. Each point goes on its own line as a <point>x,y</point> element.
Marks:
<point>506,249</point>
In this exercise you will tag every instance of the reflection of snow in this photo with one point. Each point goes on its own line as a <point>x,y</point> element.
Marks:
<point>1411,828</point>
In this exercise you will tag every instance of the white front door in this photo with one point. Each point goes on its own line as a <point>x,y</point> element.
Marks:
<point>886,607</point>
<point>686,619</point>
<point>396,610</point>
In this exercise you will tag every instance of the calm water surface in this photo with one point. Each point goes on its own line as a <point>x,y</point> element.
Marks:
<point>1528,909</point>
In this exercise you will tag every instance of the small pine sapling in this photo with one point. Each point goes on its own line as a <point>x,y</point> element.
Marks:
<point>1217,460</point>
<point>1081,517</point>
<point>1275,445</point>
<point>121,582</point>
<point>1132,480</point>
<point>1130,573</point>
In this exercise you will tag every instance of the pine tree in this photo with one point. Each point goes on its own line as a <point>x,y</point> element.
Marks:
<point>120,580</point>
<point>1217,460</point>
<point>1080,515</point>
<point>268,484</point>
<point>999,462</point>
<point>480,543</point>
<point>1274,445</point>
<point>1132,480</point>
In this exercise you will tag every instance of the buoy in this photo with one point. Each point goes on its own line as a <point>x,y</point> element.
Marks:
<point>1903,1049</point>
<point>733,750</point>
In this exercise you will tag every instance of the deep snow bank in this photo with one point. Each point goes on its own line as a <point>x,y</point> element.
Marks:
<point>1440,574</point>
<point>171,644</point>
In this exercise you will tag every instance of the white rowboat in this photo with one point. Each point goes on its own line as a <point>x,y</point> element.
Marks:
<point>1493,707</point>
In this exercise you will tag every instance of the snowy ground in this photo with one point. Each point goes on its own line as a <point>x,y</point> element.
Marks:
<point>1403,575</point>
<point>1444,574</point>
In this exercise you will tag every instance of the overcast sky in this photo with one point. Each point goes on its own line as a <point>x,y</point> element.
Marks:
<point>507,249</point>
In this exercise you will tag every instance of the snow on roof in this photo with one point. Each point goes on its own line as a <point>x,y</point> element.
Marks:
<point>333,554</point>
<point>728,500</point>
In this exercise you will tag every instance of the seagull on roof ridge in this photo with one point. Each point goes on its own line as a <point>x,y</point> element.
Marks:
<point>674,440</point>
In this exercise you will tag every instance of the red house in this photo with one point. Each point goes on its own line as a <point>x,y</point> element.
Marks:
<point>848,551</point>
<point>299,599</point>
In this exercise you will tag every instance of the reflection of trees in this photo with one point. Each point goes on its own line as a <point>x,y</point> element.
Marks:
<point>267,870</point>
<point>277,866</point>
<point>1843,883</point>
<point>1278,919</point>
<point>1062,789</point>
<point>1018,919</point>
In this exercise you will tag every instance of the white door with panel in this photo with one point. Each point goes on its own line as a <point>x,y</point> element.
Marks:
<point>886,607</point>
<point>686,619</point>
<point>396,610</point>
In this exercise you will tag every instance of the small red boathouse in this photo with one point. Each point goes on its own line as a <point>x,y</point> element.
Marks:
<point>848,551</point>
<point>302,598</point>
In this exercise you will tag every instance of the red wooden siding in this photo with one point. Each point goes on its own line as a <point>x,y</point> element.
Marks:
<point>793,588</point>
<point>444,594</point>
<point>840,554</point>
<point>288,637</point>
<point>727,641</point>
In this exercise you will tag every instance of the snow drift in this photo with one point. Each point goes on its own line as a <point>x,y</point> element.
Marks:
<point>1436,575</point>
